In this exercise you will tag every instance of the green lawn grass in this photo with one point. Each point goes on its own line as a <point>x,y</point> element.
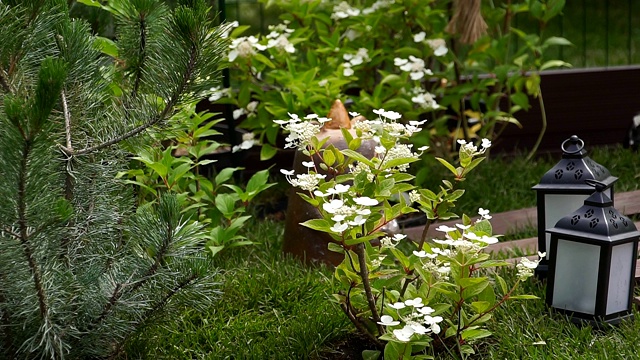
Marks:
<point>272,307</point>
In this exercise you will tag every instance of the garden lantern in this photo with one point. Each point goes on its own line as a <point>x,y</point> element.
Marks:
<point>593,261</point>
<point>563,189</point>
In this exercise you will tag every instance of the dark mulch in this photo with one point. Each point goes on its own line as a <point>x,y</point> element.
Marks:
<point>348,347</point>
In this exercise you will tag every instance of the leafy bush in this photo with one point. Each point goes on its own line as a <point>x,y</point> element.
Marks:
<point>465,68</point>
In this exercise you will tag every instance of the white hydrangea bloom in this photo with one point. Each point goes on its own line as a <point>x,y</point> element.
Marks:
<point>343,10</point>
<point>380,4</point>
<point>413,65</point>
<point>248,141</point>
<point>527,267</point>
<point>245,47</point>
<point>300,131</point>
<point>308,182</point>
<point>217,93</point>
<point>473,150</point>
<point>400,151</point>
<point>439,46</point>
<point>424,99</point>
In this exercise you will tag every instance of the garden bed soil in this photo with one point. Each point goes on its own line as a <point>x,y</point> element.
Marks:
<point>348,347</point>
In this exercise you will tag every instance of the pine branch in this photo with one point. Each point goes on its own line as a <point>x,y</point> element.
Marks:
<point>115,296</point>
<point>4,83</point>
<point>141,56</point>
<point>24,235</point>
<point>6,323</point>
<point>165,299</point>
<point>173,100</point>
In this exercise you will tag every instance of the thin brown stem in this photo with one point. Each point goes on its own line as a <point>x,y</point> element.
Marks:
<point>67,120</point>
<point>543,115</point>
<point>361,327</point>
<point>364,274</point>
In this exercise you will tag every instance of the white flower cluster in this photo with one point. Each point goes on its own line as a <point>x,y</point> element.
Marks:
<point>472,150</point>
<point>439,46</point>
<point>386,123</point>
<point>399,151</point>
<point>414,66</point>
<point>526,267</point>
<point>361,56</point>
<point>250,110</point>
<point>248,140</point>
<point>279,38</point>
<point>425,99</point>
<point>391,242</point>
<point>217,93</point>
<point>346,211</point>
<point>380,4</point>
<point>301,130</point>
<point>466,241</point>
<point>244,47</point>
<point>308,182</point>
<point>343,10</point>
<point>418,322</point>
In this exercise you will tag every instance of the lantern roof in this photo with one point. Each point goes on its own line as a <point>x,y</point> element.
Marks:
<point>573,169</point>
<point>597,220</point>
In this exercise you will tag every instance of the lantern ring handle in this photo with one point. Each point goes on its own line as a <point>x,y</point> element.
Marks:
<point>575,139</point>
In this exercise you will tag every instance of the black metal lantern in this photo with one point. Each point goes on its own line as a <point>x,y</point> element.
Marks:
<point>593,261</point>
<point>562,189</point>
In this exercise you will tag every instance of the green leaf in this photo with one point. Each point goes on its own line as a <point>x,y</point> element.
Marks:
<point>318,224</point>
<point>263,59</point>
<point>226,204</point>
<point>106,46</point>
<point>523,297</point>
<point>553,64</point>
<point>335,248</point>
<point>483,226</point>
<point>447,165</point>
<point>392,79</point>
<point>328,157</point>
<point>215,249</point>
<point>357,156</point>
<point>472,334</point>
<point>238,31</point>
<point>225,174</point>
<point>258,181</point>
<point>556,40</point>
<point>493,263</point>
<point>502,284</point>
<point>267,152</point>
<point>480,306</point>
<point>237,223</point>
<point>472,286</point>
<point>520,99</point>
<point>397,162</point>
<point>93,3</point>
<point>371,354</point>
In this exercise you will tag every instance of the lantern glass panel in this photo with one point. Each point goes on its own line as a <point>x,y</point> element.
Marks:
<point>576,276</point>
<point>558,206</point>
<point>620,278</point>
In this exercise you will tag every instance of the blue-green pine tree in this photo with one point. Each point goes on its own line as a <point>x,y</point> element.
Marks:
<point>81,269</point>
